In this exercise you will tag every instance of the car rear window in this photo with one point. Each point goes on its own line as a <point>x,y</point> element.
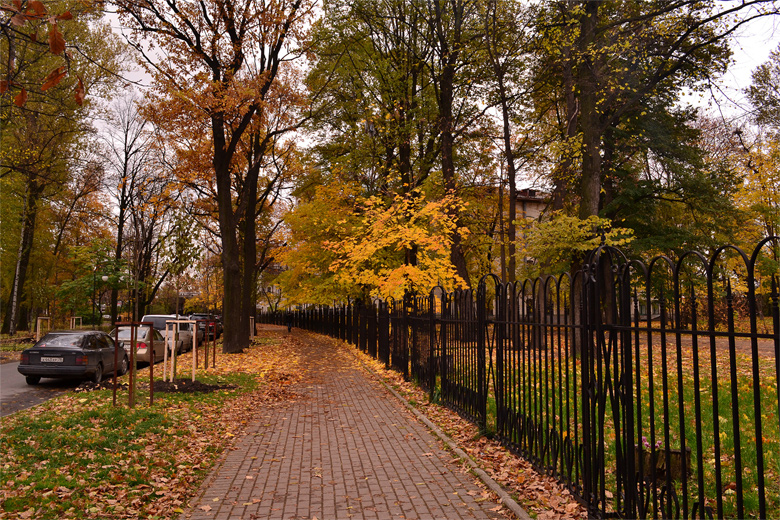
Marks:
<point>61,340</point>
<point>125,332</point>
<point>159,322</point>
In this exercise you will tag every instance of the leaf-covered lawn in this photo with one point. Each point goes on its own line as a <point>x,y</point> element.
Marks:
<point>78,456</point>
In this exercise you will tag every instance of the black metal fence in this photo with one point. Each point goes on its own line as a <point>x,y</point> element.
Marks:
<point>650,389</point>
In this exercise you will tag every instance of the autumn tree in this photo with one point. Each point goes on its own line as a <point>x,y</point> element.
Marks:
<point>760,193</point>
<point>508,49</point>
<point>613,68</point>
<point>40,130</point>
<point>378,69</point>
<point>226,70</point>
<point>131,167</point>
<point>764,92</point>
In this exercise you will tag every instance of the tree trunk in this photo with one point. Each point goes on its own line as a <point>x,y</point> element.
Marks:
<point>249,284</point>
<point>16,301</point>
<point>446,88</point>
<point>511,179</point>
<point>590,124</point>
<point>564,170</point>
<point>236,336</point>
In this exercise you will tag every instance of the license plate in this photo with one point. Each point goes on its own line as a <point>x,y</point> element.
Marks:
<point>51,359</point>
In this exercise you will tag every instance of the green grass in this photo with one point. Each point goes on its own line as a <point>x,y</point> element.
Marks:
<point>556,403</point>
<point>81,457</point>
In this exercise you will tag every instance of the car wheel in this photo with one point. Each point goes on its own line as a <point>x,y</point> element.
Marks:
<point>124,365</point>
<point>33,380</point>
<point>97,377</point>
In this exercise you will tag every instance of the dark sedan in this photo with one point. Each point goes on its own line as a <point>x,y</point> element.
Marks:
<point>72,354</point>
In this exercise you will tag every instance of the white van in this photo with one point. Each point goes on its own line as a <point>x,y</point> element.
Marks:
<point>185,329</point>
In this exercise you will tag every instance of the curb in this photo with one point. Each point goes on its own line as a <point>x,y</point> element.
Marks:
<point>494,486</point>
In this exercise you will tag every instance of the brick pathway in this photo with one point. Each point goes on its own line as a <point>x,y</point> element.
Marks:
<point>345,449</point>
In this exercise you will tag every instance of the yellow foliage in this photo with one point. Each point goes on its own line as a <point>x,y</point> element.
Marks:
<point>343,245</point>
<point>405,246</point>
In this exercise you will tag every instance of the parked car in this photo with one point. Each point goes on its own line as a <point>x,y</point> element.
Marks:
<point>72,354</point>
<point>217,329</point>
<point>184,329</point>
<point>143,343</point>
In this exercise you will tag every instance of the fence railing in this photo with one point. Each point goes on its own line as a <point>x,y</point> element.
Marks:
<point>649,389</point>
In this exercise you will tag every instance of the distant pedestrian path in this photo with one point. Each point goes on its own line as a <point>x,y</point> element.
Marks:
<point>345,448</point>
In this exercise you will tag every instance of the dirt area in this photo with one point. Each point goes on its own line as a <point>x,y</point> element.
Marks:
<point>187,385</point>
<point>177,386</point>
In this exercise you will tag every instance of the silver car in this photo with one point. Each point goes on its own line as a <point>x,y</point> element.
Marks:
<point>184,330</point>
<point>143,342</point>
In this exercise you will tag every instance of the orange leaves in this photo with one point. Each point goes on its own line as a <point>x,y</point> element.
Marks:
<point>80,92</point>
<point>399,247</point>
<point>53,78</point>
<point>18,19</point>
<point>37,7</point>
<point>36,13</point>
<point>56,40</point>
<point>21,98</point>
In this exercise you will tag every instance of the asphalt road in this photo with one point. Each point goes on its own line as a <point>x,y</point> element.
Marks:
<point>16,394</point>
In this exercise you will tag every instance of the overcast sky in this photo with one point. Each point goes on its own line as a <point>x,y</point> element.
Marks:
<point>751,47</point>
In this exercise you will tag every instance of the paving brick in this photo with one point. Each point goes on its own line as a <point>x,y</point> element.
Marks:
<point>346,448</point>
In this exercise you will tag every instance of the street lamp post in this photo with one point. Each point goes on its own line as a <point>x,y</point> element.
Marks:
<point>94,275</point>
<point>94,294</point>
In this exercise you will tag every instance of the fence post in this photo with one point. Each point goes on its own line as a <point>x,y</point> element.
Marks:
<point>356,324</point>
<point>405,336</point>
<point>481,358</point>
<point>500,331</point>
<point>431,345</point>
<point>631,482</point>
<point>444,364</point>
<point>383,333</point>
<point>371,316</point>
<point>345,322</point>
<point>588,471</point>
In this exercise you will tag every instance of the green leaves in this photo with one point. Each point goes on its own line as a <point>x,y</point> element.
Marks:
<point>553,244</point>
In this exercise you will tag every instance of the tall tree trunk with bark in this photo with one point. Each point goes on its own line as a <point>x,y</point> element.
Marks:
<point>16,308</point>
<point>590,120</point>
<point>449,42</point>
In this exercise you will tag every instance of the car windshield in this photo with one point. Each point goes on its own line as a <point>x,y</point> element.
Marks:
<point>125,332</point>
<point>61,340</point>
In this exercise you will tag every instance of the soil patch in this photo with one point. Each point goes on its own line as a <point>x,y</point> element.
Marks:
<point>179,385</point>
<point>188,386</point>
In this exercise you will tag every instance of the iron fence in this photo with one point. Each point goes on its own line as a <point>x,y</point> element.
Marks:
<point>649,389</point>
